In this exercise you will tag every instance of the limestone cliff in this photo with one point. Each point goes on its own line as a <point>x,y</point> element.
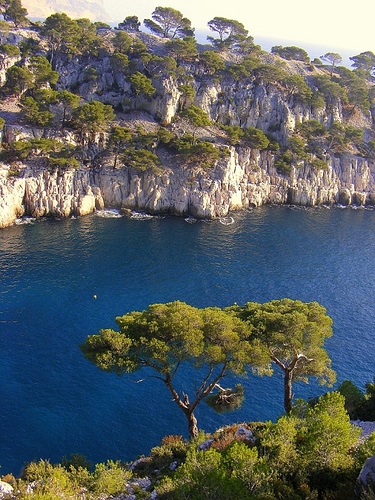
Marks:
<point>245,178</point>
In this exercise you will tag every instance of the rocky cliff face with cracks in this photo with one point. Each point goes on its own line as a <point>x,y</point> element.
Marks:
<point>244,179</point>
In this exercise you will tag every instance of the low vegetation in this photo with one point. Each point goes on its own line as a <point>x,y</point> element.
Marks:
<point>312,453</point>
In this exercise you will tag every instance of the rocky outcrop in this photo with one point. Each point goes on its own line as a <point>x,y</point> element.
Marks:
<point>40,193</point>
<point>246,178</point>
<point>249,103</point>
<point>5,489</point>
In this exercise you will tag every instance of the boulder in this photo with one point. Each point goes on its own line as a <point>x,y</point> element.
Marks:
<point>366,479</point>
<point>5,489</point>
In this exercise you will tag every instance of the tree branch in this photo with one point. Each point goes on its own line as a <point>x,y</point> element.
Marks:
<point>205,380</point>
<point>208,389</point>
<point>279,363</point>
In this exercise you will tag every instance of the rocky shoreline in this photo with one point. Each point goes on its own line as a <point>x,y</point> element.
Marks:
<point>245,178</point>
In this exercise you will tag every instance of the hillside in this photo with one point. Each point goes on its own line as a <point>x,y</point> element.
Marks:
<point>78,8</point>
<point>137,121</point>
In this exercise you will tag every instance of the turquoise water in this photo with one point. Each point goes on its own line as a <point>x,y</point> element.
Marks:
<point>54,403</point>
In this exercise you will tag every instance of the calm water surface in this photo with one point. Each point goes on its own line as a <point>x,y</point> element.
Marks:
<point>54,403</point>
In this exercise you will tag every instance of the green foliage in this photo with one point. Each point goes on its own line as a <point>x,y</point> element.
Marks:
<point>54,152</point>
<point>234,133</point>
<point>354,398</point>
<point>167,335</point>
<point>331,91</point>
<point>36,112</point>
<point>119,63</point>
<point>294,333</point>
<point>76,460</point>
<point>291,53</point>
<point>92,118</point>
<point>169,23</point>
<point>87,41</point>
<point>16,13</point>
<point>138,49</point>
<point>255,138</point>
<point>197,117</point>
<point>69,101</point>
<point>333,59</point>
<point>42,72</point>
<point>326,442</point>
<point>4,26</point>
<point>356,89</point>
<point>205,475</point>
<point>269,74</point>
<point>141,85</point>
<point>101,25</point>
<point>61,32</point>
<point>298,147</point>
<point>161,66</point>
<point>273,145</point>
<point>110,478</point>
<point>244,69</point>
<point>317,100</point>
<point>188,95</point>
<point>319,164</point>
<point>297,87</point>
<point>202,153</point>
<point>279,442</point>
<point>122,42</point>
<point>165,136</point>
<point>130,23</point>
<point>211,61</point>
<point>231,33</point>
<point>142,160</point>
<point>314,452</point>
<point>364,63</point>
<point>18,79</point>
<point>172,449</point>
<point>340,137</point>
<point>312,455</point>
<point>367,408</point>
<point>182,50</point>
<point>284,162</point>
<point>311,129</point>
<point>226,400</point>
<point>8,51</point>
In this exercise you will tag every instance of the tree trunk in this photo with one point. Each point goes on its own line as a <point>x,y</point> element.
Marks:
<point>192,424</point>
<point>288,390</point>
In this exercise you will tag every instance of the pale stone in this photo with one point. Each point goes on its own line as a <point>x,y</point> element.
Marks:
<point>5,489</point>
<point>235,182</point>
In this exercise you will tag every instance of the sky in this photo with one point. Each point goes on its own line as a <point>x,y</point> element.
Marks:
<point>318,26</point>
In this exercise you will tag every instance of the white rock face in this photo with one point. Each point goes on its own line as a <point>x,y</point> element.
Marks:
<point>5,489</point>
<point>12,192</point>
<point>243,179</point>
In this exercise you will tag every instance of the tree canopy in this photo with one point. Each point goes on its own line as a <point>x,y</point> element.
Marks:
<point>231,33</point>
<point>294,333</point>
<point>333,58</point>
<point>166,336</point>
<point>291,53</point>
<point>92,118</point>
<point>169,23</point>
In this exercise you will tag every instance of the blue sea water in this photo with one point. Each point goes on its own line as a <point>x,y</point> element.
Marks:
<point>54,403</point>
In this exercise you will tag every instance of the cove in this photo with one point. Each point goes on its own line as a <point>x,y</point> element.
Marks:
<point>54,402</point>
